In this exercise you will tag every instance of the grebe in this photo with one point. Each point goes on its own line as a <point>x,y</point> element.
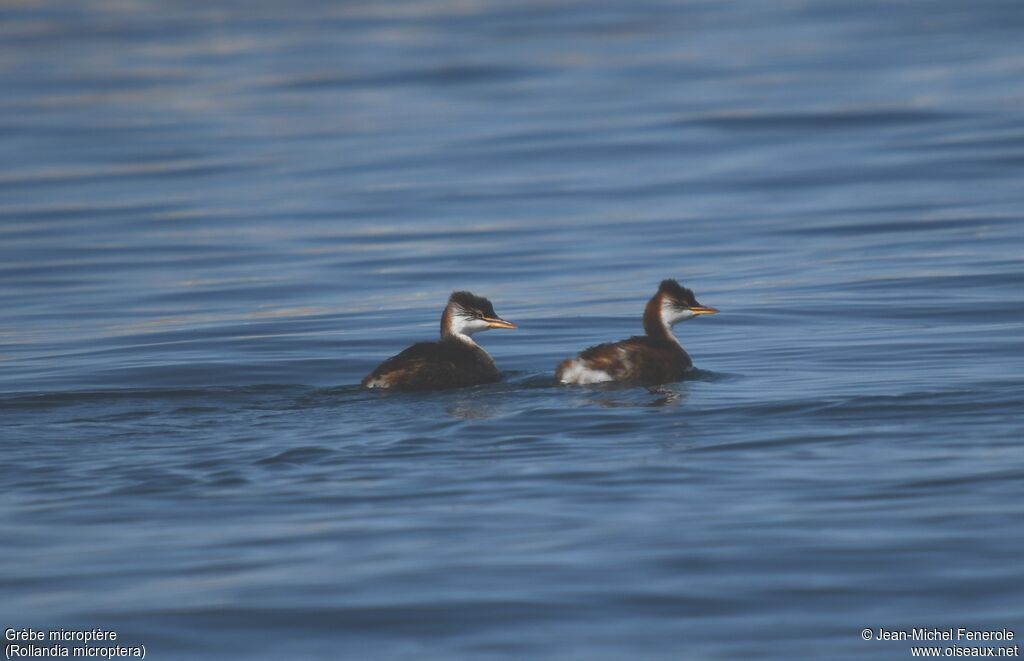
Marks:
<point>454,362</point>
<point>656,357</point>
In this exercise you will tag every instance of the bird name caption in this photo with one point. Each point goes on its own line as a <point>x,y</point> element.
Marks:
<point>951,642</point>
<point>81,643</point>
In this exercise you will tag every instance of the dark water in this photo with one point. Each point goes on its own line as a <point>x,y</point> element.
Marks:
<point>215,219</point>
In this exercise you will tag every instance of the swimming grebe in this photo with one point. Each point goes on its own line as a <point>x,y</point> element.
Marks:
<point>454,362</point>
<point>656,357</point>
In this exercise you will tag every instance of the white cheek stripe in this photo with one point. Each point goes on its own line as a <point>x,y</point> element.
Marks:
<point>670,316</point>
<point>464,324</point>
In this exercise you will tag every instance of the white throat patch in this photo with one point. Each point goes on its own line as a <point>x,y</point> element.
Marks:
<point>671,315</point>
<point>465,324</point>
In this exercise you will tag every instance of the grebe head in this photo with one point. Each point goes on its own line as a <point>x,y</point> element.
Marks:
<point>466,314</point>
<point>677,303</point>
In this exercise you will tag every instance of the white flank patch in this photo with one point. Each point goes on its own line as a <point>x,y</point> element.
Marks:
<point>578,372</point>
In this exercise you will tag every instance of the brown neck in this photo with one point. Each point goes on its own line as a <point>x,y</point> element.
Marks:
<point>448,330</point>
<point>654,325</point>
<point>446,322</point>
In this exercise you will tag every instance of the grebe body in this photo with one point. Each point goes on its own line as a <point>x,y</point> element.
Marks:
<point>653,358</point>
<point>456,361</point>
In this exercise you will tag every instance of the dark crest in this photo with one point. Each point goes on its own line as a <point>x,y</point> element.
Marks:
<point>677,293</point>
<point>475,305</point>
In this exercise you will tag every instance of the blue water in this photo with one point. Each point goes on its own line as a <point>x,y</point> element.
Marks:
<point>216,218</point>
